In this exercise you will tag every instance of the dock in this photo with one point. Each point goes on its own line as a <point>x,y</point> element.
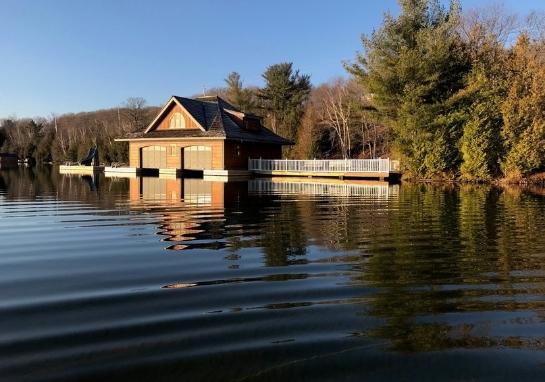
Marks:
<point>330,168</point>
<point>380,169</point>
<point>79,169</point>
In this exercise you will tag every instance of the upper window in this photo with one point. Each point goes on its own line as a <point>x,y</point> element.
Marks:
<point>251,123</point>
<point>177,121</point>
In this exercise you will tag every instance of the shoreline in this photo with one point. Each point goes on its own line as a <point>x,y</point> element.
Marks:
<point>537,179</point>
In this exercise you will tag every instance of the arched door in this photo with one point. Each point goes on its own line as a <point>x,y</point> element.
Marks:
<point>154,157</point>
<point>197,158</point>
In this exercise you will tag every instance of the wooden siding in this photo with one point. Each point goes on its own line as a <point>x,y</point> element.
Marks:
<point>237,153</point>
<point>164,122</point>
<point>174,151</point>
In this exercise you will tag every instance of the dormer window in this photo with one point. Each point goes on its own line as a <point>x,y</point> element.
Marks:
<point>177,121</point>
<point>251,123</point>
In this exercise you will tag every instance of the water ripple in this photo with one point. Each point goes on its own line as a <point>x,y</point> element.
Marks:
<point>260,280</point>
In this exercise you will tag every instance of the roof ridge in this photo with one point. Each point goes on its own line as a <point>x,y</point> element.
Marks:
<point>221,114</point>
<point>204,117</point>
<point>229,105</point>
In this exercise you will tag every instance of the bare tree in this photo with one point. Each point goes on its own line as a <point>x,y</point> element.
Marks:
<point>135,112</point>
<point>373,136</point>
<point>535,28</point>
<point>489,22</point>
<point>487,31</point>
<point>338,114</point>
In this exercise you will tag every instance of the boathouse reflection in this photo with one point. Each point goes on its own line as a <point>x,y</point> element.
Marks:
<point>189,210</point>
<point>198,213</point>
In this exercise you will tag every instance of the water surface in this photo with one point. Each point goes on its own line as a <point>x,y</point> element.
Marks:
<point>193,280</point>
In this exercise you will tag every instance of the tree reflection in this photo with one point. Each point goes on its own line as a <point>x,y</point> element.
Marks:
<point>283,239</point>
<point>456,251</point>
<point>442,266</point>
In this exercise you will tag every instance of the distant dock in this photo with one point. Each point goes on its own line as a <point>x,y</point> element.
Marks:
<point>77,169</point>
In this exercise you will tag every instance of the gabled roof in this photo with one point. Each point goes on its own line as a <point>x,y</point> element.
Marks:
<point>215,117</point>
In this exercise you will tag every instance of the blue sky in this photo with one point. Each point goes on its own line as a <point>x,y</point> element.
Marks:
<point>74,55</point>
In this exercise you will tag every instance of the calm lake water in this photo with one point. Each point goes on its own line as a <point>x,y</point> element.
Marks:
<point>192,280</point>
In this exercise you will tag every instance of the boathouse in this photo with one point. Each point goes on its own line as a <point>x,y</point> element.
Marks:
<point>203,134</point>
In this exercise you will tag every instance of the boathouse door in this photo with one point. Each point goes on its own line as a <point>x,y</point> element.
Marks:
<point>197,158</point>
<point>154,157</point>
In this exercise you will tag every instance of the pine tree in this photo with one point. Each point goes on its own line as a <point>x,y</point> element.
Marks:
<point>284,96</point>
<point>412,65</point>
<point>239,96</point>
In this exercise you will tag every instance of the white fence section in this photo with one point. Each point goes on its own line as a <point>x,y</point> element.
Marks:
<point>267,186</point>
<point>325,165</point>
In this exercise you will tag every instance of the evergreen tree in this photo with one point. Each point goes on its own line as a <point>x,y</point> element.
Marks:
<point>284,97</point>
<point>503,123</point>
<point>524,111</point>
<point>479,109</point>
<point>412,65</point>
<point>480,145</point>
<point>479,103</point>
<point>44,147</point>
<point>238,95</point>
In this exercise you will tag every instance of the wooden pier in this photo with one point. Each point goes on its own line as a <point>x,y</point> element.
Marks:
<point>333,168</point>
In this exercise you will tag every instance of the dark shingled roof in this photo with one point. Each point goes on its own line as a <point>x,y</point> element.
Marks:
<point>214,115</point>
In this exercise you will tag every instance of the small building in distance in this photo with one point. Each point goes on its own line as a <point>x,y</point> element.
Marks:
<point>203,134</point>
<point>8,160</point>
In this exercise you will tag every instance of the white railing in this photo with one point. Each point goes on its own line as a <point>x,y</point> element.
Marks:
<point>324,165</point>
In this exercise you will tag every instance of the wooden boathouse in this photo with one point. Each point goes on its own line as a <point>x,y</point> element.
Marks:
<point>205,134</point>
<point>211,136</point>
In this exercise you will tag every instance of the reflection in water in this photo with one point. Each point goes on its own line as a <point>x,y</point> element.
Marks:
<point>322,187</point>
<point>278,279</point>
<point>185,208</point>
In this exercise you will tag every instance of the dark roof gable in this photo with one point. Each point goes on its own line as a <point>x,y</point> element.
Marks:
<point>214,114</point>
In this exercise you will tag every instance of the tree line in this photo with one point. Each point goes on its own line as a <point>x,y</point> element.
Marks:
<point>68,137</point>
<point>452,94</point>
<point>335,119</point>
<point>462,93</point>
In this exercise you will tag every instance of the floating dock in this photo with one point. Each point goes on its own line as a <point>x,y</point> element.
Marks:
<point>78,169</point>
<point>382,169</point>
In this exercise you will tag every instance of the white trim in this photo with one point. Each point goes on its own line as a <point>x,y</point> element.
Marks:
<point>169,139</point>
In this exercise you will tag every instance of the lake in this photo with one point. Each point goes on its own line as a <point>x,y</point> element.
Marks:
<point>268,280</point>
